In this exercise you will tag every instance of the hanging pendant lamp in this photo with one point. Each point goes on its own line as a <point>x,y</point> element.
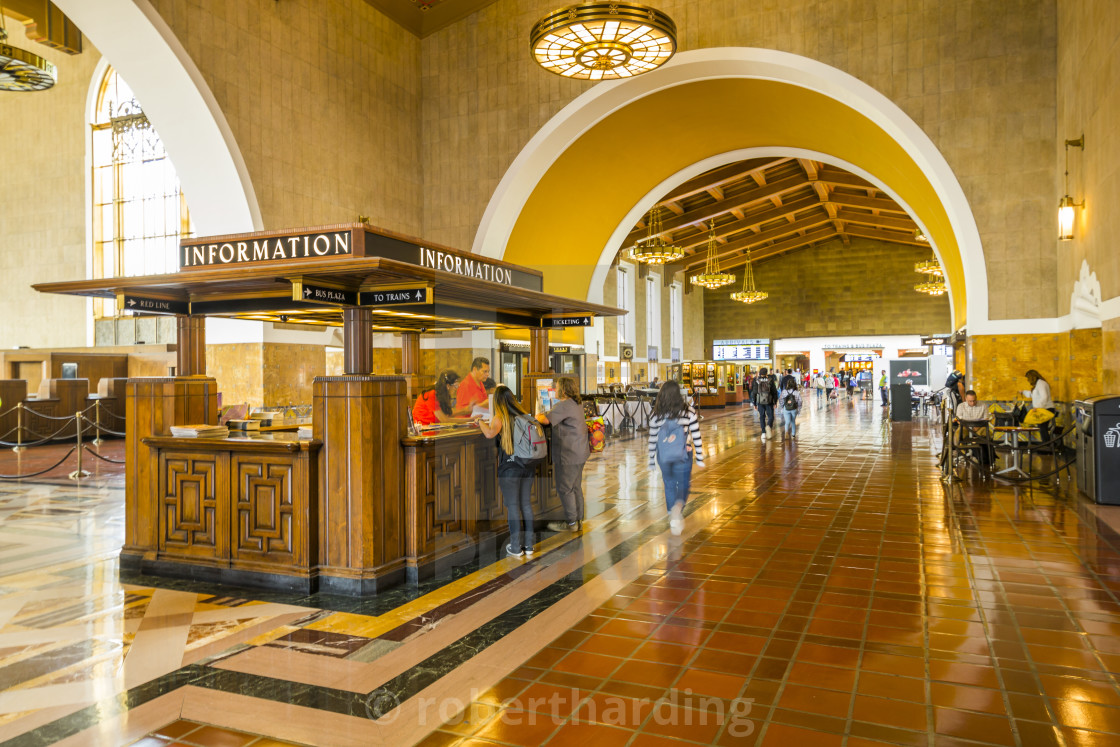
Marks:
<point>712,278</point>
<point>749,294</point>
<point>653,249</point>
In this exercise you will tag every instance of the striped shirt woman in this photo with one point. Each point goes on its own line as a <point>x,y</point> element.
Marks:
<point>675,471</point>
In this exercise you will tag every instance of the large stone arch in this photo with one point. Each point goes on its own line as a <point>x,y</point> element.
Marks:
<point>141,46</point>
<point>578,186</point>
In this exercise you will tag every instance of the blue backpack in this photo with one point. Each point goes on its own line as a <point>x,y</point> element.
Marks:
<point>672,443</point>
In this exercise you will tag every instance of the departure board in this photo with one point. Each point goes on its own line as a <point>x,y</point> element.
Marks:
<point>741,350</point>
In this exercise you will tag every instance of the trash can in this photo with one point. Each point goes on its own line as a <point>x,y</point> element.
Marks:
<point>1097,434</point>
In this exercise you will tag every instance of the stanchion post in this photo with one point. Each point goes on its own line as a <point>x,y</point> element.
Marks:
<point>79,473</point>
<point>97,422</point>
<point>19,428</point>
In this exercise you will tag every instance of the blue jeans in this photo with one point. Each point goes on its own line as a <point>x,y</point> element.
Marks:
<point>765,416</point>
<point>519,509</point>
<point>677,476</point>
<point>789,421</point>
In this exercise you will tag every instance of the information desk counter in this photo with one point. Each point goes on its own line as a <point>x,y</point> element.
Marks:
<point>452,499</point>
<point>247,509</point>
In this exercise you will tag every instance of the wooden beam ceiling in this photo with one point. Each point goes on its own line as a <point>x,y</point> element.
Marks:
<point>773,206</point>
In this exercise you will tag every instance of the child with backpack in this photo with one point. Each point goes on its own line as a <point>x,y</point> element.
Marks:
<point>790,403</point>
<point>521,447</point>
<point>674,438</point>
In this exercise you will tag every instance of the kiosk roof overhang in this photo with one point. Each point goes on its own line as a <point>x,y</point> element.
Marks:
<point>307,276</point>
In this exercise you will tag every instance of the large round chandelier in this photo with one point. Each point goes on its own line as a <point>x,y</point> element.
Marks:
<point>603,41</point>
<point>749,294</point>
<point>653,249</point>
<point>712,278</point>
<point>929,267</point>
<point>21,70</point>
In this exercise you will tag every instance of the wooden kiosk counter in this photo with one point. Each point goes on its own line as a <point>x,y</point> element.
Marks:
<point>365,503</point>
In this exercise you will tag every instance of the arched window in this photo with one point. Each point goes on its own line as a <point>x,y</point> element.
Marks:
<point>139,211</point>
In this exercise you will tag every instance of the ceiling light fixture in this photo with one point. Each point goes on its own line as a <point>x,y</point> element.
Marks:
<point>1066,205</point>
<point>712,278</point>
<point>21,70</point>
<point>749,294</point>
<point>653,249</point>
<point>603,41</point>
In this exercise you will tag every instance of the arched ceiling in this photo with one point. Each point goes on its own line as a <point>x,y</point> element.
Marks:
<point>773,206</point>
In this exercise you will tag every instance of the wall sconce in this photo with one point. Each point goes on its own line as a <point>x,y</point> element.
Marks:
<point>1066,205</point>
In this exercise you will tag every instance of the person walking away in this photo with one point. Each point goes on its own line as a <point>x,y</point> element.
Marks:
<point>818,385</point>
<point>674,439</point>
<point>515,475</point>
<point>763,394</point>
<point>829,386</point>
<point>1039,392</point>
<point>790,403</point>
<point>570,451</point>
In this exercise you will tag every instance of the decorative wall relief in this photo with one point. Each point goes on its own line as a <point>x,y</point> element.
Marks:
<point>1085,301</point>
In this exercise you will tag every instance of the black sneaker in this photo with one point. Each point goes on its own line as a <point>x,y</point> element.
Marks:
<point>513,553</point>
<point>528,551</point>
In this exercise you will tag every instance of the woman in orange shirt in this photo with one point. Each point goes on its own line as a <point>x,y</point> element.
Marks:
<point>436,404</point>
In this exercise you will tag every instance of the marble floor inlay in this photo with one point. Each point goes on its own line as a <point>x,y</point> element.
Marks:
<point>825,590</point>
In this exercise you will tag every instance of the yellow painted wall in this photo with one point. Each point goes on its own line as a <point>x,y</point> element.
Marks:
<point>1071,361</point>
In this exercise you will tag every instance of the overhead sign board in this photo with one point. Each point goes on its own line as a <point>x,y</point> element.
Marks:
<point>148,305</point>
<point>937,340</point>
<point>265,249</point>
<point>559,322</point>
<point>335,242</point>
<point>396,296</point>
<point>315,293</point>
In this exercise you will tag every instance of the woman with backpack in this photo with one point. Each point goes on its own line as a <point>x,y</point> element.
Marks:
<point>790,405</point>
<point>515,475</point>
<point>674,438</point>
<point>570,451</point>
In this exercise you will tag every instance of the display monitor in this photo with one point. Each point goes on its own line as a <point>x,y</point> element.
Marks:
<point>741,350</point>
<point>912,370</point>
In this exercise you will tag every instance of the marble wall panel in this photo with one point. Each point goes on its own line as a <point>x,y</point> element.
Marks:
<point>288,371</point>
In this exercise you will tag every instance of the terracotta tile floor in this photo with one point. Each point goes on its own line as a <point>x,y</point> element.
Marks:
<point>826,591</point>
<point>853,600</point>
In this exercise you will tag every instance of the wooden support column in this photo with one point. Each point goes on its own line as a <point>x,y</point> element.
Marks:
<point>538,350</point>
<point>191,347</point>
<point>357,341</point>
<point>360,420</point>
<point>410,362</point>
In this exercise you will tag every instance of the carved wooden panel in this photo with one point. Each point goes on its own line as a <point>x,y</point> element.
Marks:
<point>193,510</point>
<point>441,498</point>
<point>264,512</point>
<point>489,498</point>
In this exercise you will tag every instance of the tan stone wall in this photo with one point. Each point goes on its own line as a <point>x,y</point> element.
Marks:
<point>979,78</point>
<point>830,290</point>
<point>237,369</point>
<point>288,371</point>
<point>1070,361</point>
<point>43,217</point>
<point>1089,104</point>
<point>323,100</point>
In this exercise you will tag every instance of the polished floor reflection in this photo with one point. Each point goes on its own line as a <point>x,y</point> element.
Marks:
<point>827,590</point>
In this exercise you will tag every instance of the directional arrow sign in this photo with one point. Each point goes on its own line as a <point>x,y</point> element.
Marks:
<point>146,305</point>
<point>554,322</point>
<point>322,294</point>
<point>396,296</point>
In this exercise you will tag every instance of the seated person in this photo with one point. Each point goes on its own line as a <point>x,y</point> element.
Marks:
<point>473,392</point>
<point>970,409</point>
<point>435,404</point>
